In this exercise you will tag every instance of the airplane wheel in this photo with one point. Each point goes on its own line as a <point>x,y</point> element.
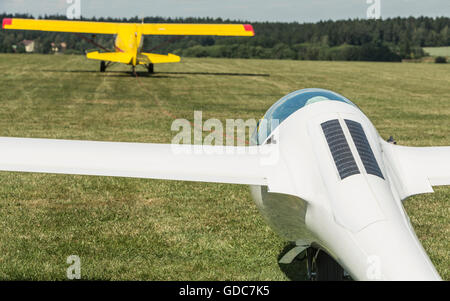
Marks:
<point>151,68</point>
<point>322,267</point>
<point>103,66</point>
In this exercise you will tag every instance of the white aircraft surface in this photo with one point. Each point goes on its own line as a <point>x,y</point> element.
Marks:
<point>321,176</point>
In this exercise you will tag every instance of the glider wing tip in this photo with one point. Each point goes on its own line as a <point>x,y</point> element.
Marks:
<point>249,27</point>
<point>6,21</point>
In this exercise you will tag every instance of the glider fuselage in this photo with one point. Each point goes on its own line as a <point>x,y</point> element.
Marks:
<point>333,188</point>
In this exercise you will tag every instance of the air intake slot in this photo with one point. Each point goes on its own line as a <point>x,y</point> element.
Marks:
<point>363,147</point>
<point>342,155</point>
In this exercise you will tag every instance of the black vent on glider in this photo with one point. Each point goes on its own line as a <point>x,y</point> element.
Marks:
<point>363,147</point>
<point>339,148</point>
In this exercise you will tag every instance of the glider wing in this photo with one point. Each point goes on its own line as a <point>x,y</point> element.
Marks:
<point>234,165</point>
<point>417,169</point>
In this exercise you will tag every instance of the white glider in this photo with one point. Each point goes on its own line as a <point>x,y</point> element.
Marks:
<point>322,178</point>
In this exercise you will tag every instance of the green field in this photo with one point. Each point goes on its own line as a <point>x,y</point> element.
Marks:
<point>125,229</point>
<point>437,51</point>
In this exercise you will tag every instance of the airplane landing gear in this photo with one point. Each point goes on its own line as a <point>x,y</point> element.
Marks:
<point>151,68</point>
<point>102,66</point>
<point>322,267</point>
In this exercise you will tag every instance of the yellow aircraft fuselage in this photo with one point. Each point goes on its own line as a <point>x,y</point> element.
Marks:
<point>129,39</point>
<point>128,43</point>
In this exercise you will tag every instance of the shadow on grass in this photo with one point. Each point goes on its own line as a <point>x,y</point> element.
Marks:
<point>296,270</point>
<point>115,73</point>
<point>217,73</point>
<point>159,74</point>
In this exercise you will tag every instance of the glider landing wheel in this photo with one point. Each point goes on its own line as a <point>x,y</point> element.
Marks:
<point>102,66</point>
<point>151,68</point>
<point>322,267</point>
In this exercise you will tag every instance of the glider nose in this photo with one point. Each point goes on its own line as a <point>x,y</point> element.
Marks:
<point>393,252</point>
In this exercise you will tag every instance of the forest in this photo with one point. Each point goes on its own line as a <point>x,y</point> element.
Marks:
<point>345,40</point>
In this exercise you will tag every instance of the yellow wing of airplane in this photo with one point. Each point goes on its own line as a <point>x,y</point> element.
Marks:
<point>146,29</point>
<point>198,29</point>
<point>61,26</point>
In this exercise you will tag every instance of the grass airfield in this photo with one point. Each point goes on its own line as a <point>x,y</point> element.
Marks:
<point>137,229</point>
<point>438,51</point>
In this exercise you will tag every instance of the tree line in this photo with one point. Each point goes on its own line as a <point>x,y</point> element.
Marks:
<point>349,40</point>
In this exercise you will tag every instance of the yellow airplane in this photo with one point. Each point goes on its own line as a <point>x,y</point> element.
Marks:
<point>129,37</point>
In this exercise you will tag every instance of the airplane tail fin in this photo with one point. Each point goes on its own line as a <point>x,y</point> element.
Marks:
<point>119,57</point>
<point>152,58</point>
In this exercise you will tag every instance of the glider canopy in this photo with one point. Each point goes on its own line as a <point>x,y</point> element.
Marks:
<point>288,105</point>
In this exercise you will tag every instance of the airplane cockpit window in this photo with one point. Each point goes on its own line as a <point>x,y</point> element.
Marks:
<point>289,104</point>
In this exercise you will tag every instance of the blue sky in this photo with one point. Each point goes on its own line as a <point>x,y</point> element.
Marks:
<point>252,10</point>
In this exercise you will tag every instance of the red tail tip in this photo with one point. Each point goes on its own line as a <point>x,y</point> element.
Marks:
<point>6,21</point>
<point>249,27</point>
